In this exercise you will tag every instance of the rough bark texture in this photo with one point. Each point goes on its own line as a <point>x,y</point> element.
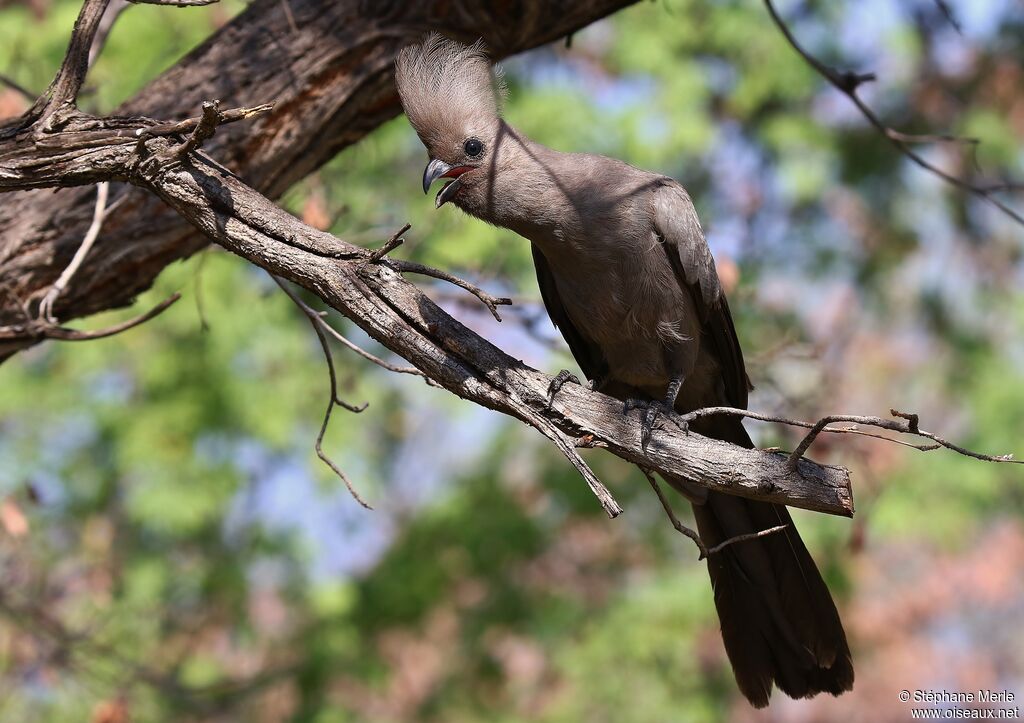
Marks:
<point>332,83</point>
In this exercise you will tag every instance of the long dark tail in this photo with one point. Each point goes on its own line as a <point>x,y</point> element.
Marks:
<point>779,622</point>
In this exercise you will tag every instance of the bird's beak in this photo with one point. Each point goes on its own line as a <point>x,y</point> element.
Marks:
<point>439,169</point>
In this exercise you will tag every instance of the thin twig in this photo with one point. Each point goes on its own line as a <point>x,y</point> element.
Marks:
<point>491,302</point>
<point>41,329</point>
<point>680,527</point>
<point>705,551</point>
<point>368,356</point>
<point>318,326</point>
<point>190,124</point>
<point>99,213</point>
<point>313,314</point>
<point>393,243</point>
<point>949,15</point>
<point>744,538</point>
<point>905,424</point>
<point>847,83</point>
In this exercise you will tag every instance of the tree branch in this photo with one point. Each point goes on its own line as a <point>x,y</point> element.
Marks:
<point>328,64</point>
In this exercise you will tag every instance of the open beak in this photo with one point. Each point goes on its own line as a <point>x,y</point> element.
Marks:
<point>439,169</point>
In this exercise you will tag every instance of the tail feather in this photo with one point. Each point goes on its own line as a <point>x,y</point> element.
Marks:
<point>779,622</point>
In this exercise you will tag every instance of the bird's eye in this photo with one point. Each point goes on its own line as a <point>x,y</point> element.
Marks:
<point>473,147</point>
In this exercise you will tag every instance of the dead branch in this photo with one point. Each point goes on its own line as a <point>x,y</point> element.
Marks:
<point>38,329</point>
<point>46,305</point>
<point>689,532</point>
<point>848,82</point>
<point>63,91</point>
<point>904,423</point>
<point>491,302</point>
<point>390,245</point>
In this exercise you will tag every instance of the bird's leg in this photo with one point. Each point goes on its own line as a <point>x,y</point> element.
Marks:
<point>653,408</point>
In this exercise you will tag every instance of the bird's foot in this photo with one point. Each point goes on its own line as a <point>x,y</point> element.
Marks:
<point>651,410</point>
<point>558,382</point>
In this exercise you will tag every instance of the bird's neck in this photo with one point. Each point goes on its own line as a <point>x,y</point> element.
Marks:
<point>526,192</point>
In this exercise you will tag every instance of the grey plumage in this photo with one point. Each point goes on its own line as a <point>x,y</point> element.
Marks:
<point>627,276</point>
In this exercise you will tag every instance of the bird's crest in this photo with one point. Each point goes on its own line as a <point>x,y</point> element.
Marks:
<point>447,87</point>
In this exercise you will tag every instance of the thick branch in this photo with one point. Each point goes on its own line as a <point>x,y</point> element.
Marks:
<point>326,63</point>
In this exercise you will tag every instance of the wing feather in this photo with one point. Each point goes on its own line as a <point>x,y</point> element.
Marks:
<point>586,353</point>
<point>678,228</point>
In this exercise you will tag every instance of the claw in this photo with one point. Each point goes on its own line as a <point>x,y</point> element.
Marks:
<point>651,411</point>
<point>558,382</point>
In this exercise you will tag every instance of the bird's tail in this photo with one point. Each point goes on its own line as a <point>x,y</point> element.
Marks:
<point>779,622</point>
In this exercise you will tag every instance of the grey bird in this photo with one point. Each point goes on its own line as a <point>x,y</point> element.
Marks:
<point>627,276</point>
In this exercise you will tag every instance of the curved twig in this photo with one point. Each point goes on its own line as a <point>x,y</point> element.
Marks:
<point>491,302</point>
<point>44,330</point>
<point>318,325</point>
<point>906,423</point>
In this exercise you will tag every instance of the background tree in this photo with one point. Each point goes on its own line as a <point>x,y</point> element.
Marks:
<point>172,548</point>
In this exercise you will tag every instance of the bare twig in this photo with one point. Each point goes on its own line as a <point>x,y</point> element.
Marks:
<point>372,357</point>
<point>66,85</point>
<point>318,323</point>
<point>949,15</point>
<point>705,551</point>
<point>905,424</point>
<point>491,302</point>
<point>680,527</point>
<point>314,314</point>
<point>847,83</point>
<point>393,243</point>
<point>46,305</point>
<point>42,329</point>
<point>744,538</point>
<point>190,124</point>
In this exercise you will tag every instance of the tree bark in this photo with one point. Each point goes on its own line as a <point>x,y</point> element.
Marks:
<point>332,81</point>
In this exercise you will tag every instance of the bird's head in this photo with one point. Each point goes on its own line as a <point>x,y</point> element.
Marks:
<point>451,94</point>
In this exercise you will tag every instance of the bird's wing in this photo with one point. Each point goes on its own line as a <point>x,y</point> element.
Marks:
<point>586,353</point>
<point>678,229</point>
